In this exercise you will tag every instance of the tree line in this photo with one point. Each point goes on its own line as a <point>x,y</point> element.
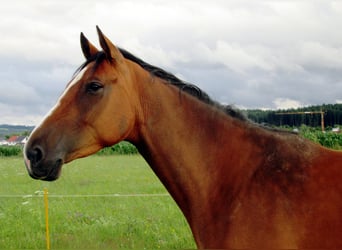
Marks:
<point>332,116</point>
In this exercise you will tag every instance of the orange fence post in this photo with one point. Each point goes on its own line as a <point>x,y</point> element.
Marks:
<point>46,203</point>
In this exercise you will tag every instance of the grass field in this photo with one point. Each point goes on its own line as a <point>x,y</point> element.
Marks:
<point>90,222</point>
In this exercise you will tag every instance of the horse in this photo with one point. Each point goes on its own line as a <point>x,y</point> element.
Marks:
<point>238,184</point>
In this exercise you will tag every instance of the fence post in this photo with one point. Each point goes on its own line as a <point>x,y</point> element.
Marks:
<point>46,202</point>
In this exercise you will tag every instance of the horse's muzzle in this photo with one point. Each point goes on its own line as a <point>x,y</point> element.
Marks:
<point>39,167</point>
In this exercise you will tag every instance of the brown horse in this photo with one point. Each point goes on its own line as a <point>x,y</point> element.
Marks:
<point>238,184</point>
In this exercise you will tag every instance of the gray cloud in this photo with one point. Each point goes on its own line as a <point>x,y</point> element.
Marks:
<point>254,54</point>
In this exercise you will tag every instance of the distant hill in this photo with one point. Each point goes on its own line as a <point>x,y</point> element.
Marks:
<point>6,130</point>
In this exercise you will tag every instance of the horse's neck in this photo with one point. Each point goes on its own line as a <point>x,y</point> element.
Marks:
<point>206,158</point>
<point>183,140</point>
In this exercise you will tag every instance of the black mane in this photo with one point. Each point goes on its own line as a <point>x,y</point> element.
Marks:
<point>169,78</point>
<point>182,85</point>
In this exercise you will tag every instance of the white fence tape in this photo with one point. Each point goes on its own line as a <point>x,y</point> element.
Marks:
<point>79,195</point>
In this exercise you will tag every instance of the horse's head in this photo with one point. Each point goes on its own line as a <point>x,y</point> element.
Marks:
<point>95,110</point>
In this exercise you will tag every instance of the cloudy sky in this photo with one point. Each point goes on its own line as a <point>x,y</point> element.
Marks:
<point>253,54</point>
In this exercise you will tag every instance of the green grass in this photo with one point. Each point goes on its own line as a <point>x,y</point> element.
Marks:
<point>90,222</point>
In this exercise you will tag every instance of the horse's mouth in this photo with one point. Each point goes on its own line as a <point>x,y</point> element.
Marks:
<point>46,174</point>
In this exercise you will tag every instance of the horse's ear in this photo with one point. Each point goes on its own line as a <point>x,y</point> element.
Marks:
<point>87,48</point>
<point>108,47</point>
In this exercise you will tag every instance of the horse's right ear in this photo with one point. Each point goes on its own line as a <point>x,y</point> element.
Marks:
<point>88,49</point>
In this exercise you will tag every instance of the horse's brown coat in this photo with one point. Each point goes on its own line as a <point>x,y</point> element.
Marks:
<point>239,185</point>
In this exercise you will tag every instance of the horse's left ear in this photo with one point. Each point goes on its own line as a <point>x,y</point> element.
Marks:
<point>108,47</point>
<point>88,49</point>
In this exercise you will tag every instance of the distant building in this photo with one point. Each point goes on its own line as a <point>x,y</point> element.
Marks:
<point>21,140</point>
<point>336,130</point>
<point>15,140</point>
<point>12,140</point>
<point>3,141</point>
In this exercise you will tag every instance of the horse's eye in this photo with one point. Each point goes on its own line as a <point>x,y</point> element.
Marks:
<point>93,87</point>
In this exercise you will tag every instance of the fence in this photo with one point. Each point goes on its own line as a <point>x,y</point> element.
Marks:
<point>40,195</point>
<point>99,203</point>
<point>45,197</point>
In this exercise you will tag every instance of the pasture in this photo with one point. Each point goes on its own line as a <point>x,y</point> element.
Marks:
<point>87,220</point>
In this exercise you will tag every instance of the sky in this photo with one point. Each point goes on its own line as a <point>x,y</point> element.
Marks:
<point>252,54</point>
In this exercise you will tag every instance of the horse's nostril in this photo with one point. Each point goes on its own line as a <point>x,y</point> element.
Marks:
<point>35,155</point>
<point>39,154</point>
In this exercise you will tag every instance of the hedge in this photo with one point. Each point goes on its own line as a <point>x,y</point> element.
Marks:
<point>122,148</point>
